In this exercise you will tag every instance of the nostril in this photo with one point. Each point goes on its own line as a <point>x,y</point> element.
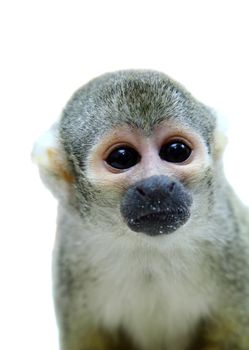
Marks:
<point>171,187</point>
<point>141,191</point>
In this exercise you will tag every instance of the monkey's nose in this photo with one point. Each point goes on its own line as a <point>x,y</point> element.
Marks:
<point>156,205</point>
<point>157,187</point>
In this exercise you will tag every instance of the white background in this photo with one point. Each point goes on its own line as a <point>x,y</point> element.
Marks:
<point>50,48</point>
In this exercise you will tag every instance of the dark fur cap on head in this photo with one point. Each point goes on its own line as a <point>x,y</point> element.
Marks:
<point>139,98</point>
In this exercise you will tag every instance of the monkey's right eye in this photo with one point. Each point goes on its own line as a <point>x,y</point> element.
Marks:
<point>123,157</point>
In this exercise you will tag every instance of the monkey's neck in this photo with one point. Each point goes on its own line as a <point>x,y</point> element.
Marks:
<point>130,280</point>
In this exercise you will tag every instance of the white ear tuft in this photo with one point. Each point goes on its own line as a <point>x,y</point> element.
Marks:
<point>220,135</point>
<point>50,157</point>
<point>47,141</point>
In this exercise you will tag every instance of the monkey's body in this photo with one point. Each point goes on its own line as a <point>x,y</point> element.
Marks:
<point>157,293</point>
<point>160,281</point>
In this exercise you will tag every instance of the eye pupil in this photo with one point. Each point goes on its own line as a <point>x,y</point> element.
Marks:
<point>123,158</point>
<point>175,152</point>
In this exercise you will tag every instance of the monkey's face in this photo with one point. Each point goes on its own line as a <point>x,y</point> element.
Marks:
<point>142,149</point>
<point>151,175</point>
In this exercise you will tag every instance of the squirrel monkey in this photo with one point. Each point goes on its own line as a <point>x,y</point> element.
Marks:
<point>152,245</point>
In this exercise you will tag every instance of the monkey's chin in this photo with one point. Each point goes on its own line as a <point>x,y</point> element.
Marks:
<point>160,223</point>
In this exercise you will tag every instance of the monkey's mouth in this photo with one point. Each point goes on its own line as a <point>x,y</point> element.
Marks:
<point>158,223</point>
<point>162,215</point>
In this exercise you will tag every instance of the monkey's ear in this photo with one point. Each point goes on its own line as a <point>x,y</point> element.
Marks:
<point>220,136</point>
<point>51,159</point>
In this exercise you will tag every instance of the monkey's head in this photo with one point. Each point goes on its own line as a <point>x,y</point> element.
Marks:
<point>139,148</point>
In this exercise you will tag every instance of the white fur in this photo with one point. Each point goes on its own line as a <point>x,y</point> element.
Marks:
<point>153,287</point>
<point>48,140</point>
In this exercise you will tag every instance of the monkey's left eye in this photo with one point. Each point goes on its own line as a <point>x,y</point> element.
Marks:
<point>123,157</point>
<point>175,152</point>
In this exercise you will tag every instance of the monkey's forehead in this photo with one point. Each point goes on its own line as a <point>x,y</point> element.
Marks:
<point>139,98</point>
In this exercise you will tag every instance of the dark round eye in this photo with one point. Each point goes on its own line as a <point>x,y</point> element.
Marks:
<point>123,157</point>
<point>175,152</point>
